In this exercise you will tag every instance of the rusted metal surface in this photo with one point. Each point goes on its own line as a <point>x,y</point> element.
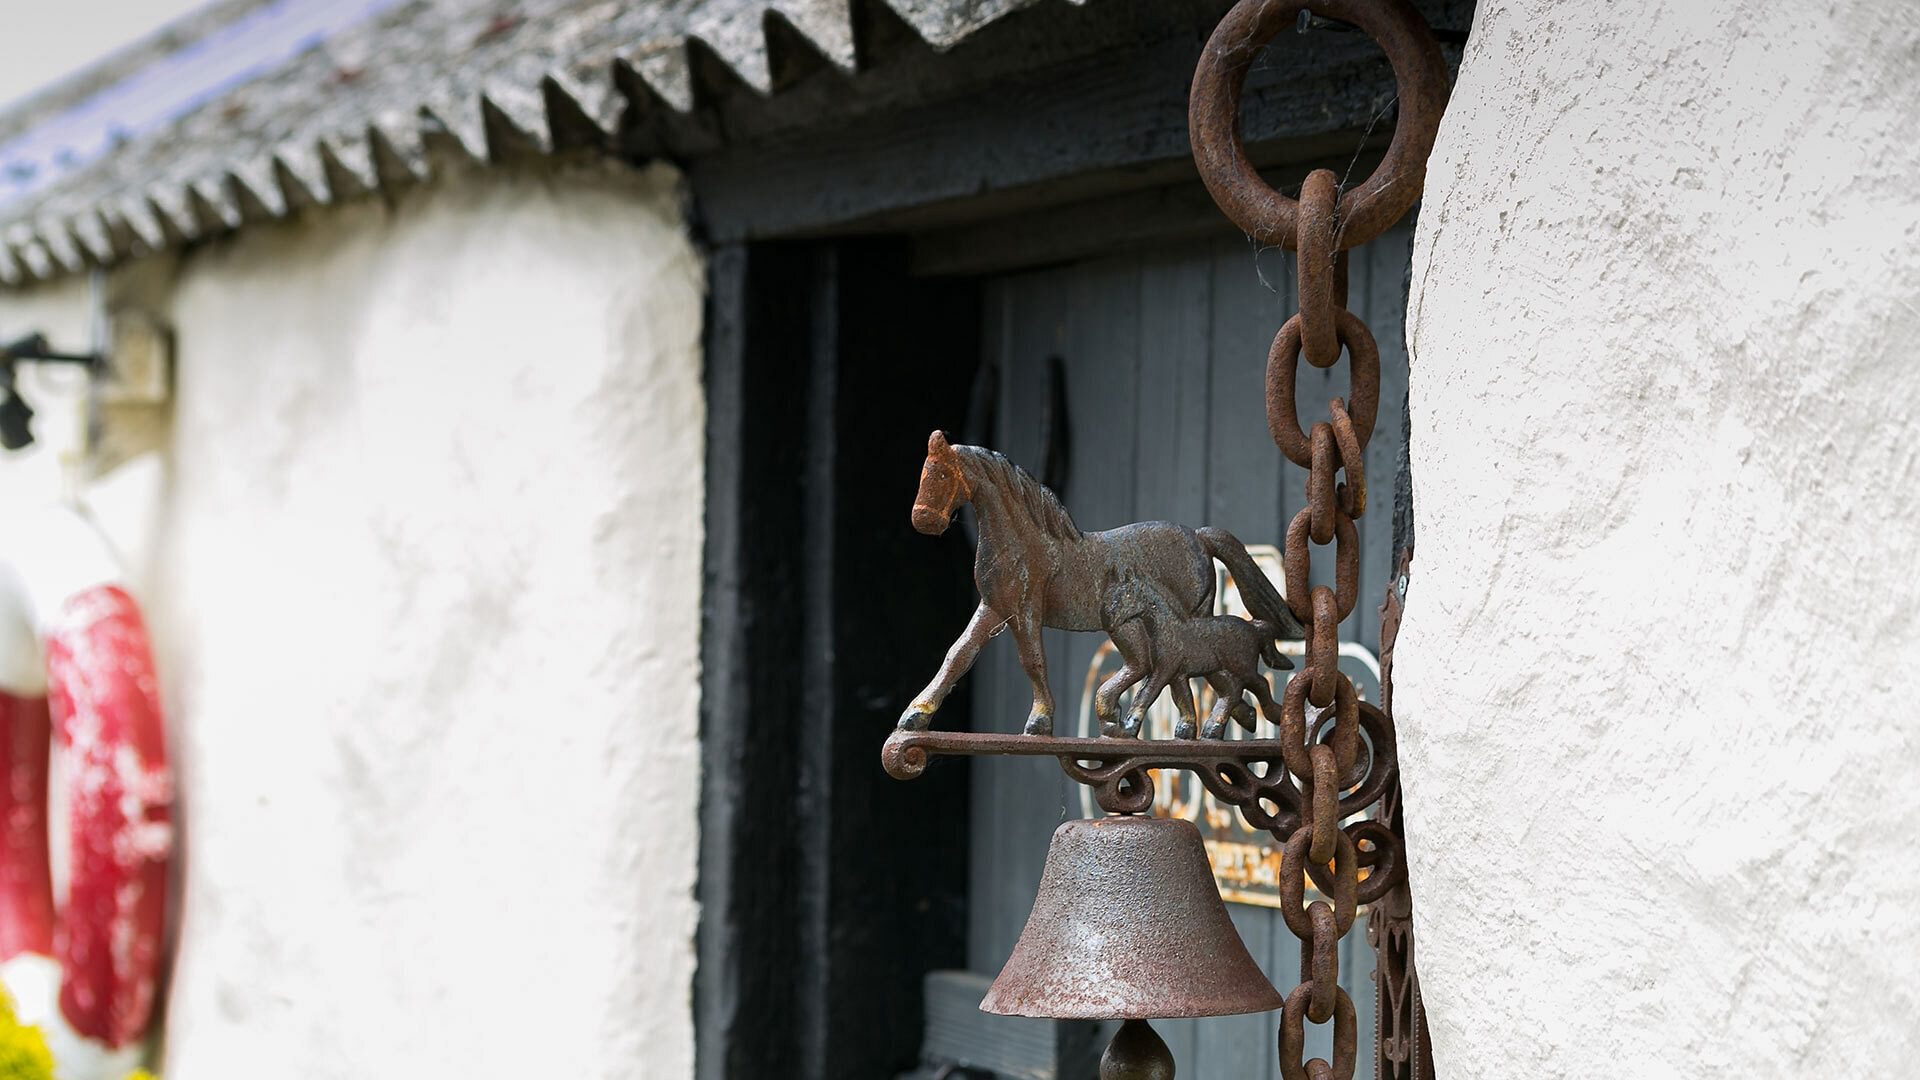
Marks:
<point>1318,220</point>
<point>1293,1037</point>
<point>1248,774</point>
<point>1213,111</point>
<point>1222,649</point>
<point>1353,462</point>
<point>1128,925</point>
<point>1362,403</point>
<point>1148,585</point>
<point>1321,225</point>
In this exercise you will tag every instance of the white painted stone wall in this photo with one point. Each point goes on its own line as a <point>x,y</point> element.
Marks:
<point>1658,678</point>
<point>425,584</point>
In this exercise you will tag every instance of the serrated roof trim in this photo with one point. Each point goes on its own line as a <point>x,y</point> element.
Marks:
<point>353,114</point>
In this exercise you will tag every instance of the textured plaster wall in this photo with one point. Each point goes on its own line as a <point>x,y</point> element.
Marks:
<point>1658,677</point>
<point>427,599</point>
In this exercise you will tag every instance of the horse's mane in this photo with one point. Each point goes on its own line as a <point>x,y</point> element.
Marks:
<point>1021,491</point>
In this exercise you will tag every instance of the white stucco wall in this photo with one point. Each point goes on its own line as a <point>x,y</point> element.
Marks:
<point>1658,674</point>
<point>424,581</point>
<point>433,556</point>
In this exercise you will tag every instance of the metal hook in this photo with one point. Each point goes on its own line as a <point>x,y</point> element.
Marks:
<point>16,416</point>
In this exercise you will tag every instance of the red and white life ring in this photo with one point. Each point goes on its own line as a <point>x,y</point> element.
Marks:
<point>77,678</point>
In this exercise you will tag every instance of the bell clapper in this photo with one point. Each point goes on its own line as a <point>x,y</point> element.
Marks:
<point>1136,1053</point>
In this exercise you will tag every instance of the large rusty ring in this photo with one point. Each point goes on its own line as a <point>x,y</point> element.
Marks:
<point>1382,755</point>
<point>1339,727</point>
<point>1213,117</point>
<point>1383,765</point>
<point>1384,866</point>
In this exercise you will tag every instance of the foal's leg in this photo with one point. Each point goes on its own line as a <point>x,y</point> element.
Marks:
<point>1107,701</point>
<point>1269,708</point>
<point>1182,688</point>
<point>1033,657</point>
<point>1226,702</point>
<point>1143,699</point>
<point>983,625</point>
<point>1131,639</point>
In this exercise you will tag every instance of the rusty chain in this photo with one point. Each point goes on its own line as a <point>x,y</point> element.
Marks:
<point>1320,227</point>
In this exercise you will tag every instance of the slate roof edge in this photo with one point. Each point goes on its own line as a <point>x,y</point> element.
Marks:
<point>553,113</point>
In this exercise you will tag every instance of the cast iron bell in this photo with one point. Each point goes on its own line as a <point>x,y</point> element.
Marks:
<point>1129,926</point>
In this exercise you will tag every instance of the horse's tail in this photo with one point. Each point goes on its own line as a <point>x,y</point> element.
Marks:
<point>1262,599</point>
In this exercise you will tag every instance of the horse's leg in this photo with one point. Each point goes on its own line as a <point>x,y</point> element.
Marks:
<point>1033,657</point>
<point>1131,639</point>
<point>983,625</point>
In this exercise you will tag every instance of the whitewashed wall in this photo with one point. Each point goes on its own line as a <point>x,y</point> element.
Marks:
<point>1659,670</point>
<point>424,578</point>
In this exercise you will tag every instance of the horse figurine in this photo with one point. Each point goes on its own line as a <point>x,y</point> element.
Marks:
<point>1034,568</point>
<point>1223,649</point>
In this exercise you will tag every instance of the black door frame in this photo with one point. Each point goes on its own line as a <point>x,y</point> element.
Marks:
<point>826,889</point>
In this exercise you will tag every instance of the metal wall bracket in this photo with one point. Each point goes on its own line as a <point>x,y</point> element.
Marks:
<point>1247,774</point>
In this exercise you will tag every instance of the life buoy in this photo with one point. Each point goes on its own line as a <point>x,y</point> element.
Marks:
<point>87,969</point>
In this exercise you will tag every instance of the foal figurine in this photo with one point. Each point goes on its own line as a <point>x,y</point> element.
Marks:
<point>1223,649</point>
<point>1035,568</point>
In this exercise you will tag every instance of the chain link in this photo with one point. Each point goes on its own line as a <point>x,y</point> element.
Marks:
<point>1337,444</point>
<point>1323,759</point>
<point>1318,219</point>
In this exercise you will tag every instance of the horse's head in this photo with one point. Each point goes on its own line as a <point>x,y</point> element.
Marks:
<point>943,487</point>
